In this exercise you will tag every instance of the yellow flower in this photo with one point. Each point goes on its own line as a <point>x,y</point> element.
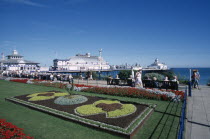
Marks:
<point>112,109</point>
<point>45,95</point>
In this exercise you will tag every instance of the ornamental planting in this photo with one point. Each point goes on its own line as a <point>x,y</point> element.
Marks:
<point>112,109</point>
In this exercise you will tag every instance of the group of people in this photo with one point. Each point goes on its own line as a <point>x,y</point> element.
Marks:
<point>61,77</point>
<point>194,79</point>
<point>139,83</point>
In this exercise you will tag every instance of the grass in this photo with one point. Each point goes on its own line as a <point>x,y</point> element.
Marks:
<point>43,126</point>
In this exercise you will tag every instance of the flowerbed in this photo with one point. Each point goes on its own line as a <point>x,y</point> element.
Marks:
<point>51,84</point>
<point>77,87</point>
<point>10,131</point>
<point>20,80</point>
<point>112,109</point>
<point>45,95</point>
<point>180,93</point>
<point>37,80</point>
<point>70,100</point>
<point>134,92</point>
<point>118,91</point>
<point>121,91</point>
<point>96,111</point>
<point>82,85</point>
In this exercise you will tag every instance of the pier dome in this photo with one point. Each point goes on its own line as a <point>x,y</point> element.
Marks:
<point>158,65</point>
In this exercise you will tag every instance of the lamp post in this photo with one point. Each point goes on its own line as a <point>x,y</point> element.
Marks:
<point>99,74</point>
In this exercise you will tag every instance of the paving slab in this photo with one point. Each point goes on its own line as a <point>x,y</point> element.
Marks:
<point>198,114</point>
<point>200,132</point>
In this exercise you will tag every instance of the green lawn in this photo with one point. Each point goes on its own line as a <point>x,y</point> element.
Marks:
<point>43,126</point>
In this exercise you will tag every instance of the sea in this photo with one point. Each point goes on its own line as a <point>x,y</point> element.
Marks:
<point>185,73</point>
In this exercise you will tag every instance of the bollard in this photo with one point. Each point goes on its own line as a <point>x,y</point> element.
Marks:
<point>189,85</point>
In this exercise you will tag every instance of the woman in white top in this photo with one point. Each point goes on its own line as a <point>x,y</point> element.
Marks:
<point>138,80</point>
<point>70,78</point>
<point>51,77</point>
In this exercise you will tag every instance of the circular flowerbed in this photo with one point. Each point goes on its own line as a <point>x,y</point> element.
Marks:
<point>70,100</point>
<point>45,95</point>
<point>112,109</point>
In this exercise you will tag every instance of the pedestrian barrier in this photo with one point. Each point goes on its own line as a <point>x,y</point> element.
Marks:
<point>182,118</point>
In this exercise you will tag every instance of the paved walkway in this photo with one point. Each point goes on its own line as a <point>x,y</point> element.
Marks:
<point>198,114</point>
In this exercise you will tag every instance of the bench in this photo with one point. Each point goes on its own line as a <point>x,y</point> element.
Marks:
<point>173,85</point>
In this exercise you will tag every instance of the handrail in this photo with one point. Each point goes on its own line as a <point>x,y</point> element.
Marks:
<point>182,118</point>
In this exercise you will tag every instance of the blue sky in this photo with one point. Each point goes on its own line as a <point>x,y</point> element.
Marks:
<point>176,32</point>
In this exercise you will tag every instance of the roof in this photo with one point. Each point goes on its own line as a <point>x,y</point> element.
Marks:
<point>83,59</point>
<point>61,60</point>
<point>14,55</point>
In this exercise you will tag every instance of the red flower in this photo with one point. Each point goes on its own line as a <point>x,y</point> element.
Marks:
<point>8,131</point>
<point>131,92</point>
<point>19,80</point>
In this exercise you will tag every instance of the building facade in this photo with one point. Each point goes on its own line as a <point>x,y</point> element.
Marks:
<point>82,63</point>
<point>15,62</point>
<point>158,65</point>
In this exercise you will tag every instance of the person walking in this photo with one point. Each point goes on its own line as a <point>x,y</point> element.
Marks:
<point>195,79</point>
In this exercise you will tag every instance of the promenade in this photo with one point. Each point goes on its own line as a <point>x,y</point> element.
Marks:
<point>198,114</point>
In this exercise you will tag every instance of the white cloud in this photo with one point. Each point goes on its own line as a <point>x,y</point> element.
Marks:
<point>25,2</point>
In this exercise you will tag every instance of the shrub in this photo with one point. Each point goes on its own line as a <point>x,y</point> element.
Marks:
<point>124,74</point>
<point>157,75</point>
<point>170,74</point>
<point>182,79</point>
<point>95,75</point>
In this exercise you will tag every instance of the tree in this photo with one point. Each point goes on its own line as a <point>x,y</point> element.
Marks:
<point>124,74</point>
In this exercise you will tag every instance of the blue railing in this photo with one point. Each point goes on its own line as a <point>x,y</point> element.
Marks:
<point>182,118</point>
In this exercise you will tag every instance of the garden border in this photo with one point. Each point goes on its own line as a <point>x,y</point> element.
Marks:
<point>128,131</point>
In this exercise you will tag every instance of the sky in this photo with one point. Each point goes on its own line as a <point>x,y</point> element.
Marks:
<point>177,32</point>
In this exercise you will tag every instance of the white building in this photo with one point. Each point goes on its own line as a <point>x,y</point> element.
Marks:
<point>82,63</point>
<point>15,62</point>
<point>158,65</point>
